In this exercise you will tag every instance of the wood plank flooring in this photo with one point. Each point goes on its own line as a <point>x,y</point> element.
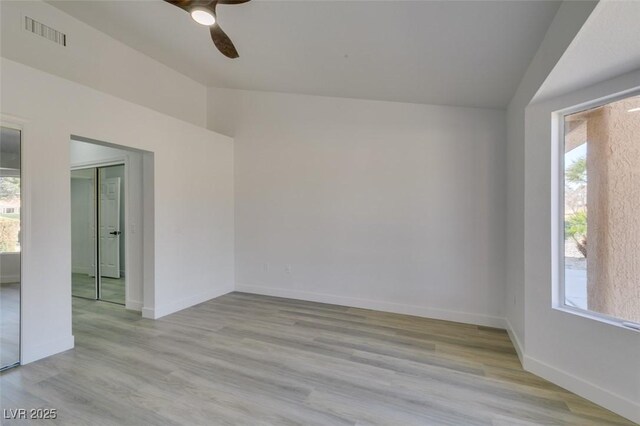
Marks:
<point>244,359</point>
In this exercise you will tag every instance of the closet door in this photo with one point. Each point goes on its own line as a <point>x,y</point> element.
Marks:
<point>84,280</point>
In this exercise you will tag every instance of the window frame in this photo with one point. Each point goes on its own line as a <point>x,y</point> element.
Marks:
<point>12,123</point>
<point>23,126</point>
<point>558,212</point>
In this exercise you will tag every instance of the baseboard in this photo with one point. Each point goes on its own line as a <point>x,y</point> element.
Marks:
<point>6,279</point>
<point>147,313</point>
<point>133,305</point>
<point>516,342</point>
<point>396,308</point>
<point>161,311</point>
<point>81,270</point>
<point>616,403</point>
<point>43,350</point>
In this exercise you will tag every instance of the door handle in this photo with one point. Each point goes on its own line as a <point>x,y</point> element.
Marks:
<point>115,233</point>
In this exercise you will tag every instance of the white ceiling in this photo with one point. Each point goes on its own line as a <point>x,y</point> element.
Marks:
<point>435,52</point>
<point>607,45</point>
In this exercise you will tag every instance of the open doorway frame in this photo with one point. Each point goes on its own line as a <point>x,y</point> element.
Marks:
<point>138,216</point>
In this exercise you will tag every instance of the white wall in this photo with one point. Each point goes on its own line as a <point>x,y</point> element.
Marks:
<point>96,60</point>
<point>131,194</point>
<point>596,360</point>
<point>192,172</point>
<point>565,25</point>
<point>592,359</point>
<point>397,207</point>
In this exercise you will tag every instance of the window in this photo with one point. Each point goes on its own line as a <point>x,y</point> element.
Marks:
<point>9,190</point>
<point>600,209</point>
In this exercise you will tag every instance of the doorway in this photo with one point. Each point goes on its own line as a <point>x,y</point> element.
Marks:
<point>111,223</point>
<point>97,233</point>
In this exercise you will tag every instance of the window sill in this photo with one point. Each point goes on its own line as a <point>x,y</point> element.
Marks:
<point>627,325</point>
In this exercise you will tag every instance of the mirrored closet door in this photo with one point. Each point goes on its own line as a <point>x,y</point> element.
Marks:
<point>84,282</point>
<point>97,237</point>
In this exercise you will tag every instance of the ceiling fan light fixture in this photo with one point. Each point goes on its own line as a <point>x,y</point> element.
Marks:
<point>203,17</point>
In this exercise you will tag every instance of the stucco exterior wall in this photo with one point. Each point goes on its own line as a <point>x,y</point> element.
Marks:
<point>613,205</point>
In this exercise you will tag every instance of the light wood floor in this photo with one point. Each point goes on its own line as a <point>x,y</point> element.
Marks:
<point>255,360</point>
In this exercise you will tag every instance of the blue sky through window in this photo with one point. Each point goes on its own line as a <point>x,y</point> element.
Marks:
<point>574,154</point>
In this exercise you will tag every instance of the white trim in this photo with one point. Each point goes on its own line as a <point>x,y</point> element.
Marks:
<point>616,322</point>
<point>598,102</point>
<point>161,311</point>
<point>557,210</point>
<point>558,298</point>
<point>147,227</point>
<point>397,308</point>
<point>46,349</point>
<point>147,313</point>
<point>515,340</point>
<point>133,305</point>
<point>113,161</point>
<point>22,125</point>
<point>611,401</point>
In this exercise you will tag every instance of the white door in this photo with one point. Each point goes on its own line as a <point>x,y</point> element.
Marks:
<point>110,227</point>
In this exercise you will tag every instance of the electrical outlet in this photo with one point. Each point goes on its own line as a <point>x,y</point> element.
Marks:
<point>265,267</point>
<point>288,269</point>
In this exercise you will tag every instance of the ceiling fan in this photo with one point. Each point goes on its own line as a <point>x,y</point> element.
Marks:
<point>204,13</point>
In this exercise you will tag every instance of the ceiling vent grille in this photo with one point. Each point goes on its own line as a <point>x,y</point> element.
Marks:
<point>44,31</point>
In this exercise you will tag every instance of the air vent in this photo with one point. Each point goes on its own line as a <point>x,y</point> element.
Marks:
<point>44,31</point>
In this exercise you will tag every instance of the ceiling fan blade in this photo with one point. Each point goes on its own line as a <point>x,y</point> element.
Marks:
<point>220,39</point>
<point>182,4</point>
<point>223,42</point>
<point>232,1</point>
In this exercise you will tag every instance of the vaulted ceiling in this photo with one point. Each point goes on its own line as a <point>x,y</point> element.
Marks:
<point>611,34</point>
<point>435,52</point>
